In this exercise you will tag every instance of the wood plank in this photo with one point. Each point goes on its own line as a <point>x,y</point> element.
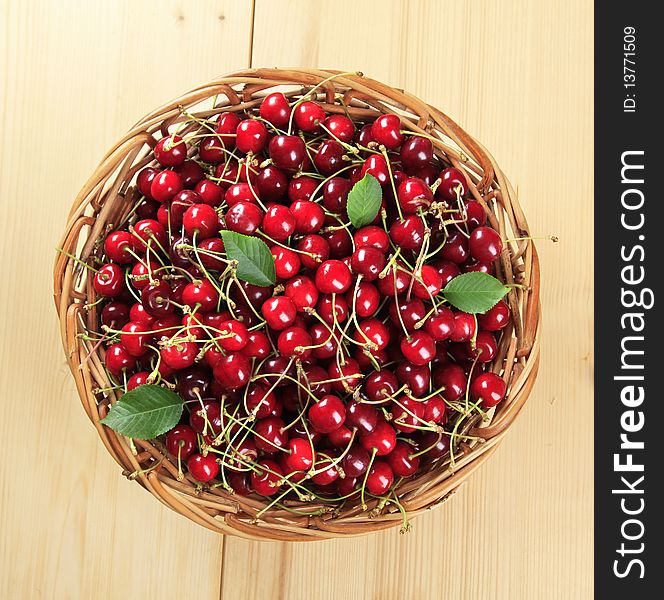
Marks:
<point>518,75</point>
<point>74,76</point>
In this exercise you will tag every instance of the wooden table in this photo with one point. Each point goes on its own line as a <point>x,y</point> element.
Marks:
<point>74,76</point>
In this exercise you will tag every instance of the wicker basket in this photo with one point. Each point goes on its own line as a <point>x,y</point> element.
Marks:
<point>106,199</point>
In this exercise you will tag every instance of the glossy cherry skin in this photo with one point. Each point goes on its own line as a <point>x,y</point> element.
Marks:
<point>428,283</point>
<point>329,157</point>
<point>361,416</point>
<point>201,220</point>
<point>109,281</point>
<point>165,185</point>
<point>335,194</point>
<point>495,318</point>
<point>348,374</point>
<point>452,183</point>
<point>313,250</point>
<point>416,153</point>
<point>203,468</point>
<point>447,271</point>
<point>227,124</point>
<point>435,409</point>
<point>118,247</point>
<point>373,333</point>
<point>251,136</point>
<point>309,216</point>
<point>435,444</point>
<point>272,184</point>
<point>382,439</point>
<point>309,116</point>
<point>419,348</point>
<point>302,291</point>
<point>287,152</point>
<point>413,194</point>
<point>286,262</point>
<point>464,327</point>
<point>455,248</point>
<point>402,461</point>
<point>239,192</point>
<point>368,262</point>
<point>294,341</point>
<point>190,173</point>
<point>416,377</point>
<point>488,388</point>
<point>333,277</point>
<point>211,150</point>
<point>115,314</point>
<point>356,461</point>
<point>180,354</point>
<point>156,299</point>
<point>409,312</point>
<point>372,236</point>
<point>258,345</point>
<point>201,293</point>
<point>376,166</point>
<point>485,348</point>
<point>261,402</point>
<point>270,434</point>
<point>440,325</point>
<point>367,299</point>
<point>233,370</point>
<point>327,415</point>
<point>135,338</point>
<point>244,218</point>
<point>170,151</point>
<point>278,222</point>
<point>279,312</point>
<point>454,381</point>
<point>408,233</point>
<point>386,130</point>
<point>137,379</point>
<point>340,243</point>
<point>181,442</point>
<point>485,244</point>
<point>380,478</point>
<point>117,360</point>
<point>301,457</point>
<point>144,181</point>
<point>266,478</point>
<point>210,253</point>
<point>407,414</point>
<point>331,309</point>
<point>275,109</point>
<point>302,188</point>
<point>381,385</point>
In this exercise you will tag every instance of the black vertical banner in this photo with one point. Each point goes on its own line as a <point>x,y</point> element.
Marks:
<point>629,169</point>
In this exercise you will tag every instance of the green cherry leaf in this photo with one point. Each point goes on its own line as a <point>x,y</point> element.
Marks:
<point>145,412</point>
<point>255,263</point>
<point>364,201</point>
<point>474,292</point>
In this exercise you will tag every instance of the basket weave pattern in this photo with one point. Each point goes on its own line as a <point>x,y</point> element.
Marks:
<point>109,195</point>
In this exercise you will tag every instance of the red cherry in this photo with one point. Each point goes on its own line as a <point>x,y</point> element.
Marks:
<point>118,246</point>
<point>286,262</point>
<point>165,185</point>
<point>488,388</point>
<point>115,314</point>
<point>270,434</point>
<point>272,184</point>
<point>302,188</point>
<point>372,236</point>
<point>190,173</point>
<point>328,307</point>
<point>361,416</point>
<point>180,354</point>
<point>368,262</point>
<point>495,318</point>
<point>287,152</point>
<point>401,459</point>
<point>260,400</point>
<point>144,181</point>
<point>381,385</point>
<point>240,192</point>
<point>212,149</point>
<point>348,375</point>
<point>234,335</point>
<point>329,158</point>
<point>367,299</point>
<point>416,377</point>
<point>485,244</point>
<point>156,299</point>
<point>328,414</point>
<point>210,253</point>
<point>278,223</point>
<point>386,130</point>
<point>117,360</point>
<point>203,468</point>
<point>447,270</point>
<point>416,153</point>
<point>316,248</point>
<point>434,410</point>
<point>335,194</point>
<point>377,166</point>
<point>294,341</point>
<point>309,116</point>
<point>109,281</point>
<point>341,127</point>
<point>382,439</point>
<point>454,381</point>
<point>251,136</point>
<point>440,325</point>
<point>266,478</point>
<point>170,151</point>
<point>244,217</point>
<point>428,284</point>
<point>135,338</point>
<point>258,345</point>
<point>407,414</point>
<point>309,216</point>
<point>227,124</point>
<point>408,233</point>
<point>455,248</point>
<point>302,291</point>
<point>232,371</point>
<point>452,183</point>
<point>464,327</point>
<point>279,312</point>
<point>137,379</point>
<point>301,457</point>
<point>275,109</point>
<point>414,194</point>
<point>201,293</point>
<point>374,332</point>
<point>333,276</point>
<point>419,348</point>
<point>202,220</point>
<point>181,442</point>
<point>380,478</point>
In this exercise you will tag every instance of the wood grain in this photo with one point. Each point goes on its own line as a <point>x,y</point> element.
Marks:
<point>75,75</point>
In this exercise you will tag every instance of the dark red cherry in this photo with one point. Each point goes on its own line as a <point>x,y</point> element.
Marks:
<point>287,152</point>
<point>386,130</point>
<point>489,389</point>
<point>275,109</point>
<point>452,184</point>
<point>251,136</point>
<point>416,153</point>
<point>335,194</point>
<point>170,151</point>
<point>485,244</point>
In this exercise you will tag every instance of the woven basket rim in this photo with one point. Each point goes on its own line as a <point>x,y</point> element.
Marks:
<point>104,199</point>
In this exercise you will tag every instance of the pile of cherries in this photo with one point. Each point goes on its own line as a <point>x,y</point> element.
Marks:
<point>351,372</point>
